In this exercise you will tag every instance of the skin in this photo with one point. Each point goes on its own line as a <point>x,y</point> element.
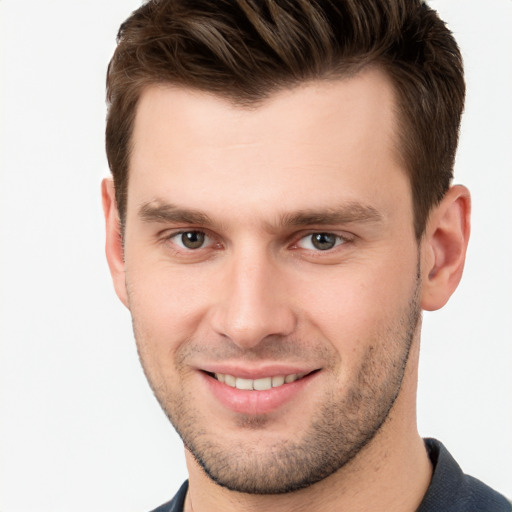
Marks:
<point>257,293</point>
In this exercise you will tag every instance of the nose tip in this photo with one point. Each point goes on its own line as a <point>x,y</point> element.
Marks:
<point>254,305</point>
<point>249,331</point>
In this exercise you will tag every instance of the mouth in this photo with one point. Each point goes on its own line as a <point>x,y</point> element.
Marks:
<point>262,384</point>
<point>262,394</point>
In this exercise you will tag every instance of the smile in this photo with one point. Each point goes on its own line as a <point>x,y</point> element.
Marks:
<point>257,384</point>
<point>267,390</point>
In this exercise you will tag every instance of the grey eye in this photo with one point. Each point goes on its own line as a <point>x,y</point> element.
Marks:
<point>320,241</point>
<point>323,241</point>
<point>191,239</point>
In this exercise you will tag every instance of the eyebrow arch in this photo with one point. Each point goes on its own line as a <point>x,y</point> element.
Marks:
<point>158,211</point>
<point>346,214</point>
<point>351,212</point>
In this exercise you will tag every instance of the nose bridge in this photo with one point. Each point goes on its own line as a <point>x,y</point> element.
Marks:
<point>252,305</point>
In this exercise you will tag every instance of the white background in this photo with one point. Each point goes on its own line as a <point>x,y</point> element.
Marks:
<point>79,428</point>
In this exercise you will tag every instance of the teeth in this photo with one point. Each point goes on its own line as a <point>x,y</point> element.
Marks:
<point>277,381</point>
<point>244,383</point>
<point>230,380</point>
<point>262,384</point>
<point>258,384</point>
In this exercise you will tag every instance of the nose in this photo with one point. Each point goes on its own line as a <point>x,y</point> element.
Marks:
<point>254,303</point>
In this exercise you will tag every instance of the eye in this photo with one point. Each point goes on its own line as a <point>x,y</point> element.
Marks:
<point>320,241</point>
<point>190,240</point>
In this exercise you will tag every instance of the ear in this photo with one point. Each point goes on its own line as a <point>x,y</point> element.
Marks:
<point>114,243</point>
<point>444,247</point>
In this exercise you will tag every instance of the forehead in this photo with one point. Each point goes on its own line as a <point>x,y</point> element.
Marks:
<point>321,141</point>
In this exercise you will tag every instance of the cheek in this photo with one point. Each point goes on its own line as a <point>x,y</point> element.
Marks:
<point>165,308</point>
<point>351,306</point>
<point>166,303</point>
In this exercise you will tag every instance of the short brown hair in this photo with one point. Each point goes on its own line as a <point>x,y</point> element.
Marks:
<point>246,49</point>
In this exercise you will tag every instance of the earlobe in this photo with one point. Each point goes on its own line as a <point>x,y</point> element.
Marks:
<point>113,244</point>
<point>444,247</point>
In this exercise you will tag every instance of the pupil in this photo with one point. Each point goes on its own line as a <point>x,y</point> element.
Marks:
<point>192,239</point>
<point>323,241</point>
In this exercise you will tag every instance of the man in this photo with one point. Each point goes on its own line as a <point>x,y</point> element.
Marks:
<point>281,211</point>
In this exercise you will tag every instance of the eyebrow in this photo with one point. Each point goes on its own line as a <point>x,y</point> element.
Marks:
<point>351,212</point>
<point>347,213</point>
<point>159,211</point>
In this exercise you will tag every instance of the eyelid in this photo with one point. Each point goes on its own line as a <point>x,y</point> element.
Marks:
<point>210,239</point>
<point>341,239</point>
<point>170,237</point>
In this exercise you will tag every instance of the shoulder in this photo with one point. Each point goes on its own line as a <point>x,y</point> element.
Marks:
<point>453,491</point>
<point>177,503</point>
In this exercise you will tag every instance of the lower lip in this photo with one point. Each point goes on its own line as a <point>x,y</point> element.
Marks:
<point>256,402</point>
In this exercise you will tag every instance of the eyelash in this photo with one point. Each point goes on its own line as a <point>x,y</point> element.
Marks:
<point>339,240</point>
<point>170,237</point>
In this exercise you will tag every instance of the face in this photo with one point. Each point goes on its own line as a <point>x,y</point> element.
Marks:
<point>272,275</point>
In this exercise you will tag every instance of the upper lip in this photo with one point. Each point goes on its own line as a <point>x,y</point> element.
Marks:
<point>259,372</point>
